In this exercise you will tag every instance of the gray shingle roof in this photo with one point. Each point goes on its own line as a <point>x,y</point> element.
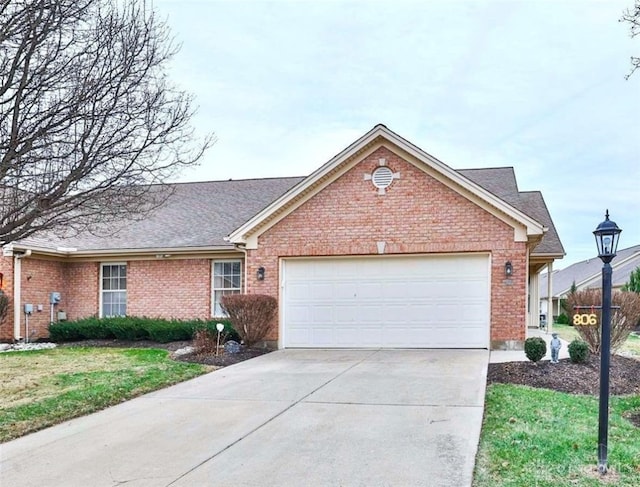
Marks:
<point>590,270</point>
<point>195,215</point>
<point>501,181</point>
<point>202,214</point>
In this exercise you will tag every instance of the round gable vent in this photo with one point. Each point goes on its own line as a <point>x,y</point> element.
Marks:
<point>382,177</point>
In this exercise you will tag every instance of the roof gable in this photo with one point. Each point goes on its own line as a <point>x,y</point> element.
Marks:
<point>588,272</point>
<point>525,226</point>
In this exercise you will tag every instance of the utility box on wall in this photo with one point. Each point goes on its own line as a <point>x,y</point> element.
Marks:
<point>55,297</point>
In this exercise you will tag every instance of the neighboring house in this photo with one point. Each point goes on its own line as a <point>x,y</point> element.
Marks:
<point>383,246</point>
<point>587,274</point>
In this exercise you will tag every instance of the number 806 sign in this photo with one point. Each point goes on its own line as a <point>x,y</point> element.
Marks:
<point>584,319</point>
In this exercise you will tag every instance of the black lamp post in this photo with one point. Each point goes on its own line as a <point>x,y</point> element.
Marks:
<point>607,235</point>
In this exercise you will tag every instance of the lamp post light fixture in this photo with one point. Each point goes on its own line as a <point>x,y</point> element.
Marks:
<point>607,235</point>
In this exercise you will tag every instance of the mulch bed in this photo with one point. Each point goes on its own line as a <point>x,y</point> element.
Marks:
<point>565,376</point>
<point>223,359</point>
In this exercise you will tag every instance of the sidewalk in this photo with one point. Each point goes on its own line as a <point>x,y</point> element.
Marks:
<point>499,356</point>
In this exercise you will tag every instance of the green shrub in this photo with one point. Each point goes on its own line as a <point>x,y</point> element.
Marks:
<point>578,351</point>
<point>136,328</point>
<point>129,328</point>
<point>170,331</point>
<point>64,331</point>
<point>535,348</point>
<point>84,329</point>
<point>562,319</point>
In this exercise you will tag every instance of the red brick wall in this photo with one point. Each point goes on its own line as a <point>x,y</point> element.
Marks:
<point>178,289</point>
<point>82,289</point>
<point>39,279</point>
<point>170,288</point>
<point>418,214</point>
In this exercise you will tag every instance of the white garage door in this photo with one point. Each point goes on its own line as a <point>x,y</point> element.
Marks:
<point>413,302</point>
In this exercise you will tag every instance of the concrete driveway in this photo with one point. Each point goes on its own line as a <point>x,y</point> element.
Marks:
<point>289,418</point>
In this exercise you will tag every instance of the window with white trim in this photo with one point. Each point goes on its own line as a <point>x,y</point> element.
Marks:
<point>227,279</point>
<point>113,290</point>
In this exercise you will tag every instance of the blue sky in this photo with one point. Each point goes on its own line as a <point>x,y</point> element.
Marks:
<point>537,85</point>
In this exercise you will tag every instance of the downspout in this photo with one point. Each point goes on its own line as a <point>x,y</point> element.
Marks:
<point>242,248</point>
<point>550,298</point>
<point>17,288</point>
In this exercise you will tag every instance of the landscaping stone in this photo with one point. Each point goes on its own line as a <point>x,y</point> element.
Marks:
<point>183,351</point>
<point>23,347</point>
<point>232,347</point>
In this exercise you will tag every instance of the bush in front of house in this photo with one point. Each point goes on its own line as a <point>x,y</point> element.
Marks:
<point>86,329</point>
<point>5,302</point>
<point>135,328</point>
<point>535,348</point>
<point>578,351</point>
<point>251,315</point>
<point>624,316</point>
<point>562,319</point>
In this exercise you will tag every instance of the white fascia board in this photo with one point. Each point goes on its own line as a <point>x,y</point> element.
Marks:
<point>240,234</point>
<point>101,253</point>
<point>524,226</point>
<point>441,169</point>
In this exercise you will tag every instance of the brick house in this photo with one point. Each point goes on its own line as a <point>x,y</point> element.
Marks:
<point>382,246</point>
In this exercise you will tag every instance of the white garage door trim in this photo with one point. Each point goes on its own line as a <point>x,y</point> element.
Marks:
<point>434,301</point>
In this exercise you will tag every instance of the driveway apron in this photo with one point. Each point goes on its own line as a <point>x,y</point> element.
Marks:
<point>288,418</point>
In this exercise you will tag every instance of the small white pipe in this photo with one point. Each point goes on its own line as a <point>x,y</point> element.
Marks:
<point>243,249</point>
<point>17,287</point>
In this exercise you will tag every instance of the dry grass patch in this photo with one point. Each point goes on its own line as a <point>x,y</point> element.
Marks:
<point>45,387</point>
<point>26,376</point>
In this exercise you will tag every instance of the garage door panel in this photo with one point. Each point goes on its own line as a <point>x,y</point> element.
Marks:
<point>370,290</point>
<point>371,314</point>
<point>430,302</point>
<point>322,313</point>
<point>346,336</point>
<point>299,291</point>
<point>299,315</point>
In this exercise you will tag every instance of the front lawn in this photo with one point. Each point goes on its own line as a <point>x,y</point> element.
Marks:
<point>537,437</point>
<point>45,387</point>
<point>566,332</point>
<point>630,347</point>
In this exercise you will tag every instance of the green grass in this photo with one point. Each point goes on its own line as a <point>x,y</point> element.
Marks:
<point>632,345</point>
<point>43,388</point>
<point>566,332</point>
<point>569,333</point>
<point>538,438</point>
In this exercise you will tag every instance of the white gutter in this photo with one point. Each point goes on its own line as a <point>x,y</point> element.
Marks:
<point>17,287</point>
<point>70,252</point>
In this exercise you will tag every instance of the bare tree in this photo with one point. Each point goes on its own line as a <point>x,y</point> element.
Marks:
<point>88,118</point>
<point>632,16</point>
